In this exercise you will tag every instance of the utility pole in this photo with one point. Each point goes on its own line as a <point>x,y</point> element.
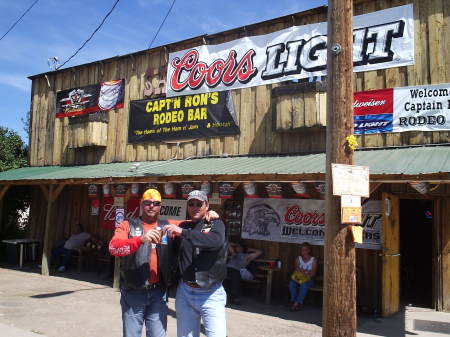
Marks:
<point>339,298</point>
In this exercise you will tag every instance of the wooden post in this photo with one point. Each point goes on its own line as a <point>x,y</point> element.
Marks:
<point>339,299</point>
<point>46,251</point>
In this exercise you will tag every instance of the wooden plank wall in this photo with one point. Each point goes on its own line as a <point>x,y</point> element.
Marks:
<point>254,106</point>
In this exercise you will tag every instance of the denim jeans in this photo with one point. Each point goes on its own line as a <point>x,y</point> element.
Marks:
<point>64,253</point>
<point>299,291</point>
<point>144,305</point>
<point>194,303</point>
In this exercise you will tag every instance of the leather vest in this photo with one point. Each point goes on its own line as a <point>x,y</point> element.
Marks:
<point>135,269</point>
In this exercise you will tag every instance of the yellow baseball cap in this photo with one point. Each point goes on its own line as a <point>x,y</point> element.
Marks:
<point>151,194</point>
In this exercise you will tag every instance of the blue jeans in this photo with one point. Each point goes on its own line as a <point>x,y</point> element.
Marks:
<point>194,303</point>
<point>139,305</point>
<point>64,253</point>
<point>299,291</point>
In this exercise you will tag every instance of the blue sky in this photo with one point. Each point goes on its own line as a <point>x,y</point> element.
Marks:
<point>58,28</point>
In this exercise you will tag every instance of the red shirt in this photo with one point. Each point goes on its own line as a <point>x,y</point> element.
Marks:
<point>122,245</point>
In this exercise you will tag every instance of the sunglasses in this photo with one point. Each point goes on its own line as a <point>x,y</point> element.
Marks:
<point>195,204</point>
<point>152,203</point>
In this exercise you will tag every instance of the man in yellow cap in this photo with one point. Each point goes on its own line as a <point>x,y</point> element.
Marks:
<point>146,268</point>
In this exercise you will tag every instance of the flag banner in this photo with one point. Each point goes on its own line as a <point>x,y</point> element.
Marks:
<point>89,99</point>
<point>416,108</point>
<point>382,39</point>
<point>184,117</point>
<point>302,220</point>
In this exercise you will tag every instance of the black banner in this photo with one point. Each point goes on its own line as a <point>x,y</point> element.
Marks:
<point>89,99</point>
<point>184,117</point>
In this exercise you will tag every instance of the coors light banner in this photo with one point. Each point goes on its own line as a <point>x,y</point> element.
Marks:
<point>382,39</point>
<point>418,108</point>
<point>302,220</point>
<point>91,98</point>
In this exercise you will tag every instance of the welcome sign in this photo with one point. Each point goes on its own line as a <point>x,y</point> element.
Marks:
<point>381,39</point>
<point>302,220</point>
<point>415,108</point>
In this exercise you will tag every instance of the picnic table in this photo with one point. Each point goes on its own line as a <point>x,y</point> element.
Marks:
<point>22,243</point>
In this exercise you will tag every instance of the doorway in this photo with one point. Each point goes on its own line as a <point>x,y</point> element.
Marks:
<point>416,246</point>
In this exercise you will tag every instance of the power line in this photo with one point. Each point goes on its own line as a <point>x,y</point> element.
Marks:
<point>93,33</point>
<point>17,21</point>
<point>162,23</point>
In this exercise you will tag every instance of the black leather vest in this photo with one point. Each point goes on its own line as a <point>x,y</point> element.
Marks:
<point>135,269</point>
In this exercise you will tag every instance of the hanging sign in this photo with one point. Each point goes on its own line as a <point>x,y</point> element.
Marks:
<point>226,190</point>
<point>121,190</point>
<point>106,190</point>
<point>151,186</point>
<point>415,108</point>
<point>186,188</point>
<point>420,186</point>
<point>134,190</point>
<point>95,205</point>
<point>274,190</point>
<point>169,190</point>
<point>302,220</point>
<point>300,189</point>
<point>173,209</point>
<point>89,99</point>
<point>92,191</point>
<point>382,39</point>
<point>206,187</point>
<point>250,190</point>
<point>186,117</point>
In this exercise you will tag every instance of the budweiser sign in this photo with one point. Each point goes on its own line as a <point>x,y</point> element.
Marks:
<point>382,39</point>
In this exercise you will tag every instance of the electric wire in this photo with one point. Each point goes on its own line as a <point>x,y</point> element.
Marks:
<point>162,23</point>
<point>17,21</point>
<point>90,37</point>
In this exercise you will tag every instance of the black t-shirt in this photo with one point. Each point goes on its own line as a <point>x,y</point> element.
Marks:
<point>200,243</point>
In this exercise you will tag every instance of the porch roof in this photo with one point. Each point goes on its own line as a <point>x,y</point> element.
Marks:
<point>427,163</point>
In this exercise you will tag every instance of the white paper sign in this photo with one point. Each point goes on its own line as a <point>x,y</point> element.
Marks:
<point>382,39</point>
<point>350,180</point>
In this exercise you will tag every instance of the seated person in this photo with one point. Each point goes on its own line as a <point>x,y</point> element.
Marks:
<point>240,257</point>
<point>303,276</point>
<point>70,247</point>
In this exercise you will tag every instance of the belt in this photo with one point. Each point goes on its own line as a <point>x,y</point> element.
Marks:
<point>150,286</point>
<point>192,284</point>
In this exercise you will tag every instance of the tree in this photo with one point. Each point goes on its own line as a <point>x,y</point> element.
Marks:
<point>13,152</point>
<point>13,155</point>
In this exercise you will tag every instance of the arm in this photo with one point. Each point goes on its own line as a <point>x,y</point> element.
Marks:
<point>214,239</point>
<point>120,244</point>
<point>252,254</point>
<point>313,271</point>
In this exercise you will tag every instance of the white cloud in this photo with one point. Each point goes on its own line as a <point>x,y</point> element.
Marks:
<point>18,81</point>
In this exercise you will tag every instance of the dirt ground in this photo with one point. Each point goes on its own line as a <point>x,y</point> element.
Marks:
<point>66,306</point>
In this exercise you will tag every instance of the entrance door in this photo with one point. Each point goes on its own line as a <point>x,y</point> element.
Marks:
<point>416,247</point>
<point>390,243</point>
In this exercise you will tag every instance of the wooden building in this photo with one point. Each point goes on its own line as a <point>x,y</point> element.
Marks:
<point>281,140</point>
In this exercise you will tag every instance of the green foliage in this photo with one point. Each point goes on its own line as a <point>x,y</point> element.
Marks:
<point>13,152</point>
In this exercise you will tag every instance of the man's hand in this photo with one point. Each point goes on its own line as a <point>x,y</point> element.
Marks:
<point>152,235</point>
<point>173,230</point>
<point>211,215</point>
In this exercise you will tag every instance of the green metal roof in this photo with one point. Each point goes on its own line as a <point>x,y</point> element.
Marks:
<point>395,162</point>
